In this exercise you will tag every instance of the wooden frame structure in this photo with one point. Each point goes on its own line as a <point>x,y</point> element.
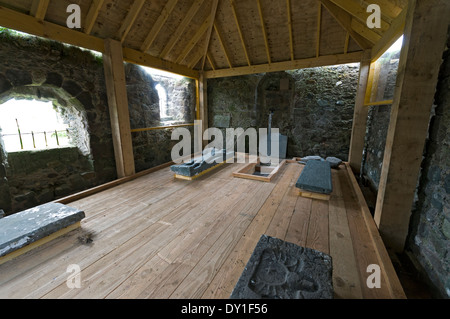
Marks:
<point>209,39</point>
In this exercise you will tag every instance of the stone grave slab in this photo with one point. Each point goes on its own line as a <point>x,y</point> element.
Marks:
<point>281,270</point>
<point>29,226</point>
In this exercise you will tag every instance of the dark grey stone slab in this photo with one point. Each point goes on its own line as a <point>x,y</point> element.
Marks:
<point>316,177</point>
<point>282,270</point>
<point>201,164</point>
<point>334,162</point>
<point>24,228</point>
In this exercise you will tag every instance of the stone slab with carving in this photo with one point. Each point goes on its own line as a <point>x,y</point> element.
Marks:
<point>281,270</point>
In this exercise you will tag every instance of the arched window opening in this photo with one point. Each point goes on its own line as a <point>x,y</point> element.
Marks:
<point>28,125</point>
<point>163,102</point>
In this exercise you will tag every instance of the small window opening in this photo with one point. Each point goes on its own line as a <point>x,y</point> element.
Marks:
<point>28,125</point>
<point>163,103</point>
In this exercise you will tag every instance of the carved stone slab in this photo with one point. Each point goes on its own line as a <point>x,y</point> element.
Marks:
<point>282,270</point>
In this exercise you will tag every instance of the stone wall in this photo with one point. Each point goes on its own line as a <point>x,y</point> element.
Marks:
<point>313,107</point>
<point>429,239</point>
<point>73,79</point>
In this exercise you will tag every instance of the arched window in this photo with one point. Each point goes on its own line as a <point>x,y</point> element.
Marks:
<point>163,102</point>
<point>32,125</point>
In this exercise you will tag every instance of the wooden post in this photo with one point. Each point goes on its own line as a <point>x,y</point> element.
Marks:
<point>421,57</point>
<point>118,108</point>
<point>360,116</point>
<point>203,103</point>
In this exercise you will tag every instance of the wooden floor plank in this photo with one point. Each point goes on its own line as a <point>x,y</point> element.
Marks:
<point>346,281</point>
<point>157,237</point>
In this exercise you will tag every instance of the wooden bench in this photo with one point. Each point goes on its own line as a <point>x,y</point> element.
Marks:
<point>315,180</point>
<point>26,230</point>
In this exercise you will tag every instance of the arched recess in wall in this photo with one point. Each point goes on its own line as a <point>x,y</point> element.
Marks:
<point>71,110</point>
<point>275,92</point>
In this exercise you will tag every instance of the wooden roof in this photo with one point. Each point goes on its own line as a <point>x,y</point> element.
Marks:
<point>220,37</point>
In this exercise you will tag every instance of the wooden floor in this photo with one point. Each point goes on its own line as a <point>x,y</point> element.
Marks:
<point>158,237</point>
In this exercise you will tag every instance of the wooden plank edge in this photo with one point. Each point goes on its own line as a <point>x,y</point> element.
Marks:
<point>38,243</point>
<point>395,288</point>
<point>324,197</point>
<point>187,178</point>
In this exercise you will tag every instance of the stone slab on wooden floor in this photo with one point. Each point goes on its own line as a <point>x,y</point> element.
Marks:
<point>281,270</point>
<point>316,177</point>
<point>24,228</point>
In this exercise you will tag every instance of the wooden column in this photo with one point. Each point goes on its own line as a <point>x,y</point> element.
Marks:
<point>203,103</point>
<point>118,108</point>
<point>360,116</point>
<point>421,57</point>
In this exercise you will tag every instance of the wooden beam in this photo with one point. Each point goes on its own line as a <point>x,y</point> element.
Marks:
<point>421,57</point>
<point>181,28</point>
<point>325,60</point>
<point>211,62</point>
<point>222,44</point>
<point>365,32</point>
<point>319,27</point>
<point>167,10</point>
<point>347,41</point>
<point>240,32</point>
<point>263,28</point>
<point>118,108</point>
<point>130,19</point>
<point>203,104</point>
<point>39,9</point>
<point>345,20</point>
<point>391,36</point>
<point>209,34</point>
<point>191,44</point>
<point>359,11</point>
<point>138,57</point>
<point>360,116</point>
<point>291,35</point>
<point>92,15</point>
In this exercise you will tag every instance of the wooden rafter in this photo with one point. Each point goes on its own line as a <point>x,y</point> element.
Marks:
<point>365,32</point>
<point>323,60</point>
<point>240,32</point>
<point>263,28</point>
<point>391,35</point>
<point>222,44</point>
<point>181,28</point>
<point>130,19</point>
<point>291,35</point>
<point>211,62</point>
<point>319,27</point>
<point>197,36</point>
<point>194,61</point>
<point>360,13</point>
<point>209,34</point>
<point>92,15</point>
<point>39,9</point>
<point>345,20</point>
<point>347,41</point>
<point>25,23</point>
<point>167,10</point>
<point>390,9</point>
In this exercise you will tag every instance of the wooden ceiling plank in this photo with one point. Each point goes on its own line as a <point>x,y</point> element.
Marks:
<point>197,36</point>
<point>291,35</point>
<point>130,19</point>
<point>92,15</point>
<point>12,19</point>
<point>345,20</point>
<point>222,44</point>
<point>319,29</point>
<point>347,41</point>
<point>181,28</point>
<point>210,28</point>
<point>167,10</point>
<point>244,46</point>
<point>39,9</point>
<point>263,28</point>
<point>323,60</point>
